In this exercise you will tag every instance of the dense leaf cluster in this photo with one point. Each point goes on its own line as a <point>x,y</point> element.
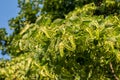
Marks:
<point>30,9</point>
<point>83,46</point>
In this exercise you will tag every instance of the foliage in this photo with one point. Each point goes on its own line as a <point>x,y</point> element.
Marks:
<point>59,8</point>
<point>30,9</point>
<point>81,46</point>
<point>3,39</point>
<point>2,35</point>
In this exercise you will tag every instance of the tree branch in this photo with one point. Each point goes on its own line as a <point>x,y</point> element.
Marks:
<point>113,72</point>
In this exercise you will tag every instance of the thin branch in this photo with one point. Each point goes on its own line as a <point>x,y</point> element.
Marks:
<point>113,72</point>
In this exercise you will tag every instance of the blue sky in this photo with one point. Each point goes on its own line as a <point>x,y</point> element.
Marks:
<point>8,10</point>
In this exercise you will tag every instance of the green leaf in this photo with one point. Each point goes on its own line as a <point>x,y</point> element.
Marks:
<point>61,49</point>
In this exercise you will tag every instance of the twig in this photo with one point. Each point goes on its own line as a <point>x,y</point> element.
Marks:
<point>113,72</point>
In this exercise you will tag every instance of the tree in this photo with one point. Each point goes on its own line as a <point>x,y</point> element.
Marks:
<point>82,45</point>
<point>3,40</point>
<point>28,14</point>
